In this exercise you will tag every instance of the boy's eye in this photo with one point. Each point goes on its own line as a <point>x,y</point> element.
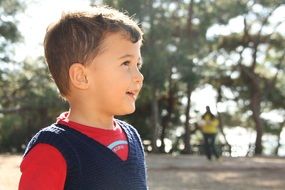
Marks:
<point>126,63</point>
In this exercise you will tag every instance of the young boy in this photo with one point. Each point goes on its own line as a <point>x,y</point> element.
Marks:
<point>94,59</point>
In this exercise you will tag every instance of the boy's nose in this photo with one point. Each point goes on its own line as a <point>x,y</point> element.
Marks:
<point>138,76</point>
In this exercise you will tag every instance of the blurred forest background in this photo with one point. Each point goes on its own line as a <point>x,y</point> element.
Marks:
<point>236,47</point>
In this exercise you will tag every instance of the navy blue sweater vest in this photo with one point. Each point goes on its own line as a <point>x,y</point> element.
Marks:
<point>91,165</point>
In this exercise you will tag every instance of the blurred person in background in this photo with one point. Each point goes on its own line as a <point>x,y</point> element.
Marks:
<point>209,127</point>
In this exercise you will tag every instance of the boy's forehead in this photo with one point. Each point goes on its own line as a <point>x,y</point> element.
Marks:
<point>118,36</point>
<point>118,42</point>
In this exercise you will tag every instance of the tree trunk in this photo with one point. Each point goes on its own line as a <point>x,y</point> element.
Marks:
<point>186,139</point>
<point>162,136</point>
<point>188,33</point>
<point>252,81</point>
<point>279,137</point>
<point>255,100</point>
<point>170,103</point>
<point>155,120</point>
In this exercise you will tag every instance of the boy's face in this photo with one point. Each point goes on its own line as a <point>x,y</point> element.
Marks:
<point>114,76</point>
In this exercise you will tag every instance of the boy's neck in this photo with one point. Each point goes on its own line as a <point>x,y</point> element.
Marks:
<point>93,120</point>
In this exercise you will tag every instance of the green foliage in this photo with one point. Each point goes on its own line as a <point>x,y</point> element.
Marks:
<point>30,102</point>
<point>8,25</point>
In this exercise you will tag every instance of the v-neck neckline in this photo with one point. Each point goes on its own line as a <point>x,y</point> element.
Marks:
<point>103,147</point>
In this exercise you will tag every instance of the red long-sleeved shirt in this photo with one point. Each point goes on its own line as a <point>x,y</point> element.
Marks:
<point>45,168</point>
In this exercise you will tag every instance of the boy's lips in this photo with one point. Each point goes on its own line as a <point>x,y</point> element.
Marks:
<point>133,93</point>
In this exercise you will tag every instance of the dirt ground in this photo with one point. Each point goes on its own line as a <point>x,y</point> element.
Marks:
<point>166,172</point>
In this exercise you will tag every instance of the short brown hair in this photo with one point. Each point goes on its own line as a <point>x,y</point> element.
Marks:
<point>77,36</point>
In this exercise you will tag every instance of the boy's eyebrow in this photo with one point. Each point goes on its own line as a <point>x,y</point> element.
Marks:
<point>130,56</point>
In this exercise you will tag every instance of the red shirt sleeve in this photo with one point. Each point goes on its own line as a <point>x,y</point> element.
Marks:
<point>43,168</point>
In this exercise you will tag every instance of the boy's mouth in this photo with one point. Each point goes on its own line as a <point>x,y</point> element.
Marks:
<point>132,94</point>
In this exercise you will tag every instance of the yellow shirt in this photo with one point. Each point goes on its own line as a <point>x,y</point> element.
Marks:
<point>210,125</point>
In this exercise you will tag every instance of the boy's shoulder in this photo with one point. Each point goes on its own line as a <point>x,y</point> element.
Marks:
<point>52,129</point>
<point>50,135</point>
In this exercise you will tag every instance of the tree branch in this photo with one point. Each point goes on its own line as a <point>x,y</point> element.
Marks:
<point>257,42</point>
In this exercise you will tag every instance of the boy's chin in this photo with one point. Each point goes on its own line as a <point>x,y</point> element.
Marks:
<point>127,112</point>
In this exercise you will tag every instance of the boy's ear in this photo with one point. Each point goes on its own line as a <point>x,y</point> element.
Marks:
<point>77,75</point>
